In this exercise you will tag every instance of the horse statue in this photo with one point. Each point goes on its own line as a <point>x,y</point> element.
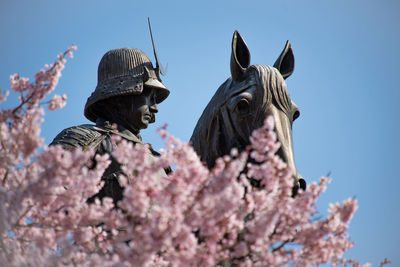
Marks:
<point>241,105</point>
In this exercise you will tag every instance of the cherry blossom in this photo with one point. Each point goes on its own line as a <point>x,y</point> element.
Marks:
<point>192,217</point>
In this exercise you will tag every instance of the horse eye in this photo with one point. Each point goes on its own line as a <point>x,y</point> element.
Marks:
<point>243,106</point>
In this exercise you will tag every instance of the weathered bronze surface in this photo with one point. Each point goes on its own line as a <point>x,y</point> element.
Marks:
<point>241,104</point>
<point>127,94</point>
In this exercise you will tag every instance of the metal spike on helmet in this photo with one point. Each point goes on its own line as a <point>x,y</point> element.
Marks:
<point>159,69</point>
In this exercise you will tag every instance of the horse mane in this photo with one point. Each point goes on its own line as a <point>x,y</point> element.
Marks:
<point>208,133</point>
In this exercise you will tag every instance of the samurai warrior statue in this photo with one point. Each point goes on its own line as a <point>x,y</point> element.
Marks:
<point>124,102</point>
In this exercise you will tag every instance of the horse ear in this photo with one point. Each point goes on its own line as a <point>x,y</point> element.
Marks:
<point>240,57</point>
<point>285,62</point>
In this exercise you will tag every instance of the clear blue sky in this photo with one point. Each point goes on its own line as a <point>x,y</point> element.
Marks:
<point>345,81</point>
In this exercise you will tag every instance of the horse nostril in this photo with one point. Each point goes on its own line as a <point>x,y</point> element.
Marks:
<point>303,184</point>
<point>299,183</point>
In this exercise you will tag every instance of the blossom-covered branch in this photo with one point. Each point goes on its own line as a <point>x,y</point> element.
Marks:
<point>192,217</point>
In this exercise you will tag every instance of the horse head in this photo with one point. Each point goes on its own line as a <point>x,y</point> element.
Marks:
<point>241,105</point>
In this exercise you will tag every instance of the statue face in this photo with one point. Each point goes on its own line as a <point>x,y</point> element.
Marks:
<point>142,109</point>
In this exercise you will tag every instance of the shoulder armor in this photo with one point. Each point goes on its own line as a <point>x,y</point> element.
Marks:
<point>83,136</point>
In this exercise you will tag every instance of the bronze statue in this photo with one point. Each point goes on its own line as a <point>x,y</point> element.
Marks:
<point>127,93</point>
<point>241,104</point>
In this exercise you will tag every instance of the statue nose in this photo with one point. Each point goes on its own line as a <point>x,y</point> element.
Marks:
<point>154,108</point>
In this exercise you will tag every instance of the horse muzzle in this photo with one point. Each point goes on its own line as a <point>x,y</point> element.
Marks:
<point>299,183</point>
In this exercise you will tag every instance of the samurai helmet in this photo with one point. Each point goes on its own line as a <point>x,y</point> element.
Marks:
<point>125,71</point>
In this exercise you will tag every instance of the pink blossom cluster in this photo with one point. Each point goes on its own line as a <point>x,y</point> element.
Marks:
<point>57,102</point>
<point>192,217</point>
